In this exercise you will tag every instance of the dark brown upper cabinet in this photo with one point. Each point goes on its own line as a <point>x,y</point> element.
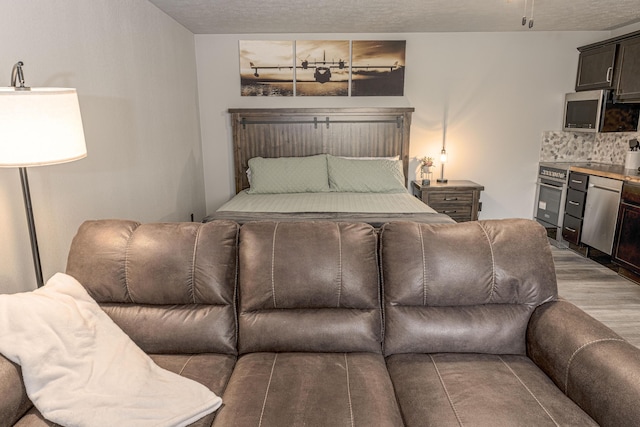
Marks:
<point>612,64</point>
<point>596,68</point>
<point>628,71</point>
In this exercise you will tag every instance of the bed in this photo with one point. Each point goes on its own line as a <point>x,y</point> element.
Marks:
<point>336,164</point>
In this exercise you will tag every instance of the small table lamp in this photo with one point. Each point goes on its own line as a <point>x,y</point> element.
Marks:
<point>38,126</point>
<point>443,160</point>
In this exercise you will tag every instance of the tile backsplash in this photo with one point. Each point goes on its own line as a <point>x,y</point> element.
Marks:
<point>610,148</point>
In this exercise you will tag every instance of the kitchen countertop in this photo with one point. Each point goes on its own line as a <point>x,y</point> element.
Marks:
<point>607,171</point>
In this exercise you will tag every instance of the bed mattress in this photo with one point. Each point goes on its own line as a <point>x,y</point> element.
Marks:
<point>373,208</point>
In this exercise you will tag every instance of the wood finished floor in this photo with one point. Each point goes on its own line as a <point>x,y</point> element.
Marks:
<point>599,291</point>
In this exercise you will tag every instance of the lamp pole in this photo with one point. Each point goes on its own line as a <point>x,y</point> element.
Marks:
<point>26,195</point>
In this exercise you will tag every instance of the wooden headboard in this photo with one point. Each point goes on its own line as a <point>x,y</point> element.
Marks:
<point>299,132</point>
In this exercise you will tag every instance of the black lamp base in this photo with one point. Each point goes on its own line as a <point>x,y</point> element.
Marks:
<point>442,180</point>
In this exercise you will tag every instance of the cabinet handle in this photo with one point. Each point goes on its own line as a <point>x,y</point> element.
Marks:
<point>570,229</point>
<point>575,181</point>
<point>448,212</point>
<point>571,202</point>
<point>609,74</point>
<point>450,199</point>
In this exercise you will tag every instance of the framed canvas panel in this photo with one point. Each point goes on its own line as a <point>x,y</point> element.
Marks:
<point>322,68</point>
<point>266,68</point>
<point>377,67</point>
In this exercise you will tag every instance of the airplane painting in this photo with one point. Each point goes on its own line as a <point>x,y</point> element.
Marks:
<point>322,68</point>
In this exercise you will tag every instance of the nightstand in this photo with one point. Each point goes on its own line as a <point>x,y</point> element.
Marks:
<point>457,198</point>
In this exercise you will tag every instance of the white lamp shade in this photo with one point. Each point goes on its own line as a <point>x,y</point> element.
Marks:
<point>41,126</point>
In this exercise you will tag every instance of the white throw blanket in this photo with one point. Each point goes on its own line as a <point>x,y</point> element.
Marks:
<point>80,369</point>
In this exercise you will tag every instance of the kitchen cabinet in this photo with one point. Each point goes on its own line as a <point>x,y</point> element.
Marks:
<point>574,207</point>
<point>611,64</point>
<point>575,202</point>
<point>628,71</point>
<point>626,247</point>
<point>595,68</point>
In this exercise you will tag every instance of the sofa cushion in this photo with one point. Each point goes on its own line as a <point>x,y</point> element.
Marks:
<point>468,287</point>
<point>14,401</point>
<point>212,370</point>
<point>152,278</point>
<point>308,286</point>
<point>309,389</point>
<point>480,390</point>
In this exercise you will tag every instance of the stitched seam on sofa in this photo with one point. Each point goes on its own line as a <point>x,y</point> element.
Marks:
<point>266,393</point>
<point>346,364</point>
<point>575,353</point>
<point>126,267</point>
<point>529,391</point>
<point>377,235</point>
<point>235,287</point>
<point>273,262</point>
<point>424,267</point>
<point>185,364</point>
<point>446,392</point>
<point>192,285</point>
<point>493,262</point>
<point>339,264</point>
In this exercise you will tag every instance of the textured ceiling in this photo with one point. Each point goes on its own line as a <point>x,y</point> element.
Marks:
<point>399,16</point>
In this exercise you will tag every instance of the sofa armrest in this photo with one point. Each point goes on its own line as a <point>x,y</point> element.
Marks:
<point>14,402</point>
<point>589,362</point>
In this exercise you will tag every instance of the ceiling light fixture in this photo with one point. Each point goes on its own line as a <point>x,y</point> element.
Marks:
<point>524,14</point>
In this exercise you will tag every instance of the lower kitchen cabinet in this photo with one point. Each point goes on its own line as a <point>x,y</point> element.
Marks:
<point>574,207</point>
<point>626,248</point>
<point>571,228</point>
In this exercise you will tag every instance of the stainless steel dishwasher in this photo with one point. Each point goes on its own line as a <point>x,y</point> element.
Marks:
<point>601,213</point>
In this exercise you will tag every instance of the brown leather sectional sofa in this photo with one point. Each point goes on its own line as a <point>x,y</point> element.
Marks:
<point>339,324</point>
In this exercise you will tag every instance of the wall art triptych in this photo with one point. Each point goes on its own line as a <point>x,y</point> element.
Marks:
<point>322,68</point>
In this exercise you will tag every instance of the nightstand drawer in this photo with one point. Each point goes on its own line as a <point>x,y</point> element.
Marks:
<point>449,198</point>
<point>459,213</point>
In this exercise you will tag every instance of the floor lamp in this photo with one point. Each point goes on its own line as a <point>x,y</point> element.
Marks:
<point>38,126</point>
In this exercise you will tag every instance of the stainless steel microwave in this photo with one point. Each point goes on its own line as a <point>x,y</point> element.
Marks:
<point>594,111</point>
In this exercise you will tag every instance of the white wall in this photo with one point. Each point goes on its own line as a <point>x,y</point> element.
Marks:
<point>498,92</point>
<point>625,30</point>
<point>134,69</point>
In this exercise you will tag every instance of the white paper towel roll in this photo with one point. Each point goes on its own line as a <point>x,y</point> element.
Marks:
<point>633,160</point>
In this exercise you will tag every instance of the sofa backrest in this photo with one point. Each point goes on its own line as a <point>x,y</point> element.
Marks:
<point>468,287</point>
<point>309,286</point>
<point>169,286</point>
